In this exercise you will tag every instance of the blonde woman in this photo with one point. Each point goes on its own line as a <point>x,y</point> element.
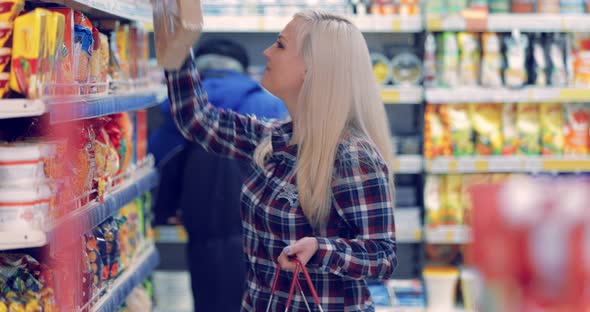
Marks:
<point>321,186</point>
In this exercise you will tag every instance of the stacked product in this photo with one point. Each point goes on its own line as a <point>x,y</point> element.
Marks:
<point>507,60</point>
<point>58,51</point>
<point>509,6</point>
<point>550,129</point>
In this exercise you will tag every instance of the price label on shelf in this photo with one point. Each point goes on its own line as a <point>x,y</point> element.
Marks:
<point>449,236</point>
<point>390,96</point>
<point>481,166</point>
<point>434,22</point>
<point>418,235</point>
<point>396,25</point>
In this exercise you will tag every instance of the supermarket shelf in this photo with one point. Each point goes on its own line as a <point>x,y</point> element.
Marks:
<point>117,9</point>
<point>141,267</point>
<point>15,108</point>
<point>508,22</point>
<point>408,235</point>
<point>412,309</point>
<point>408,164</point>
<point>508,164</point>
<point>254,23</point>
<point>83,220</point>
<point>402,95</point>
<point>171,234</point>
<point>11,240</point>
<point>500,95</point>
<point>448,235</point>
<point>76,108</point>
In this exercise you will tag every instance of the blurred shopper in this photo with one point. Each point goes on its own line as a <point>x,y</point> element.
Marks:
<point>205,187</point>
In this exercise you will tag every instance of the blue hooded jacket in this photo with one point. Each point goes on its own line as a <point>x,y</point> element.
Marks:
<point>228,90</point>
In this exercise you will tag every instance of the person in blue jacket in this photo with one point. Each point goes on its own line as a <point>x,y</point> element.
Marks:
<point>205,187</point>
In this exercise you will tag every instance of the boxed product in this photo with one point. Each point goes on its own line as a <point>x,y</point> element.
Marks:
<point>178,25</point>
<point>29,42</point>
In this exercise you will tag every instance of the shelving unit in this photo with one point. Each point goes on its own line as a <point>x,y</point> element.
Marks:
<point>502,95</point>
<point>508,22</point>
<point>113,9</point>
<point>141,267</point>
<point>408,164</point>
<point>507,164</point>
<point>402,95</point>
<point>255,23</point>
<point>448,235</point>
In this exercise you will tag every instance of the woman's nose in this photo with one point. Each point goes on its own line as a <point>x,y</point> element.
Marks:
<point>266,53</point>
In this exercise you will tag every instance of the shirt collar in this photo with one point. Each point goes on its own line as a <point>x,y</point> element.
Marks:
<point>281,136</point>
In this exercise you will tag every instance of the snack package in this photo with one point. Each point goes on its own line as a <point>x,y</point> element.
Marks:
<point>135,52</point>
<point>10,9</point>
<point>487,122</point>
<point>515,73</point>
<point>140,135</point>
<point>576,118</point>
<point>429,68</point>
<point>178,25</point>
<point>461,129</point>
<point>83,44</point>
<point>491,66</point>
<point>28,52</point>
<point>5,32</point>
<point>55,41</point>
<point>529,129</point>
<point>552,129</point>
<point>509,130</point>
<point>95,59</point>
<point>406,69</point>
<point>437,136</point>
<point>557,56</point>
<point>539,62</point>
<point>581,60</point>
<point>469,58</point>
<point>120,131</point>
<point>107,241</point>
<point>453,204</point>
<point>107,158</point>
<point>433,200</point>
<point>523,6</point>
<point>65,84</point>
<point>122,45</point>
<point>548,6</point>
<point>448,60</point>
<point>104,61</point>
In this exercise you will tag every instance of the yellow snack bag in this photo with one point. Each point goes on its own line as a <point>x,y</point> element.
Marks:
<point>436,132</point>
<point>552,139</point>
<point>509,131</point>
<point>453,202</point>
<point>56,23</point>
<point>461,129</point>
<point>28,52</point>
<point>529,129</point>
<point>576,128</point>
<point>487,122</point>
<point>433,200</point>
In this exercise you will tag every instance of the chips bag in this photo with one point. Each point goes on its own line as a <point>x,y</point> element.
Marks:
<point>487,122</point>
<point>576,128</point>
<point>509,131</point>
<point>436,133</point>
<point>552,129</point>
<point>461,129</point>
<point>529,130</point>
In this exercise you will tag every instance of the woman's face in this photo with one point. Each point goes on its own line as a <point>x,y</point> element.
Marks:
<point>285,69</point>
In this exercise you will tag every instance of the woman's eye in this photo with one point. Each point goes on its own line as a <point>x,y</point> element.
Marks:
<point>280,45</point>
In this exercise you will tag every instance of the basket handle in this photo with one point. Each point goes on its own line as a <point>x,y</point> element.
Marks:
<point>299,267</point>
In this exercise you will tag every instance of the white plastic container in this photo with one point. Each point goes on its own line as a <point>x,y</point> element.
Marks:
<point>21,164</point>
<point>24,208</point>
<point>440,288</point>
<point>472,287</point>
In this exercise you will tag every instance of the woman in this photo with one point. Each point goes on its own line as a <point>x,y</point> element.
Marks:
<point>320,187</point>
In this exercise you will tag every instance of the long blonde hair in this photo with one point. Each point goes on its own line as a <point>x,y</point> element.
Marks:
<point>339,95</point>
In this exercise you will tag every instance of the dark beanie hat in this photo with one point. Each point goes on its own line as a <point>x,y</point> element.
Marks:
<point>226,48</point>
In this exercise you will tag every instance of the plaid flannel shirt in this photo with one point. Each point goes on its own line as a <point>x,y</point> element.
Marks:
<point>358,241</point>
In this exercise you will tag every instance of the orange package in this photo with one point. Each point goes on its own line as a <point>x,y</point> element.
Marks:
<point>437,136</point>
<point>65,74</point>
<point>576,117</point>
<point>83,43</point>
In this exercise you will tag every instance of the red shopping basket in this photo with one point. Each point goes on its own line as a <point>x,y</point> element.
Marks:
<point>299,267</point>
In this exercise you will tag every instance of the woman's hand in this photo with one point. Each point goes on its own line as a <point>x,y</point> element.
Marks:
<point>302,249</point>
